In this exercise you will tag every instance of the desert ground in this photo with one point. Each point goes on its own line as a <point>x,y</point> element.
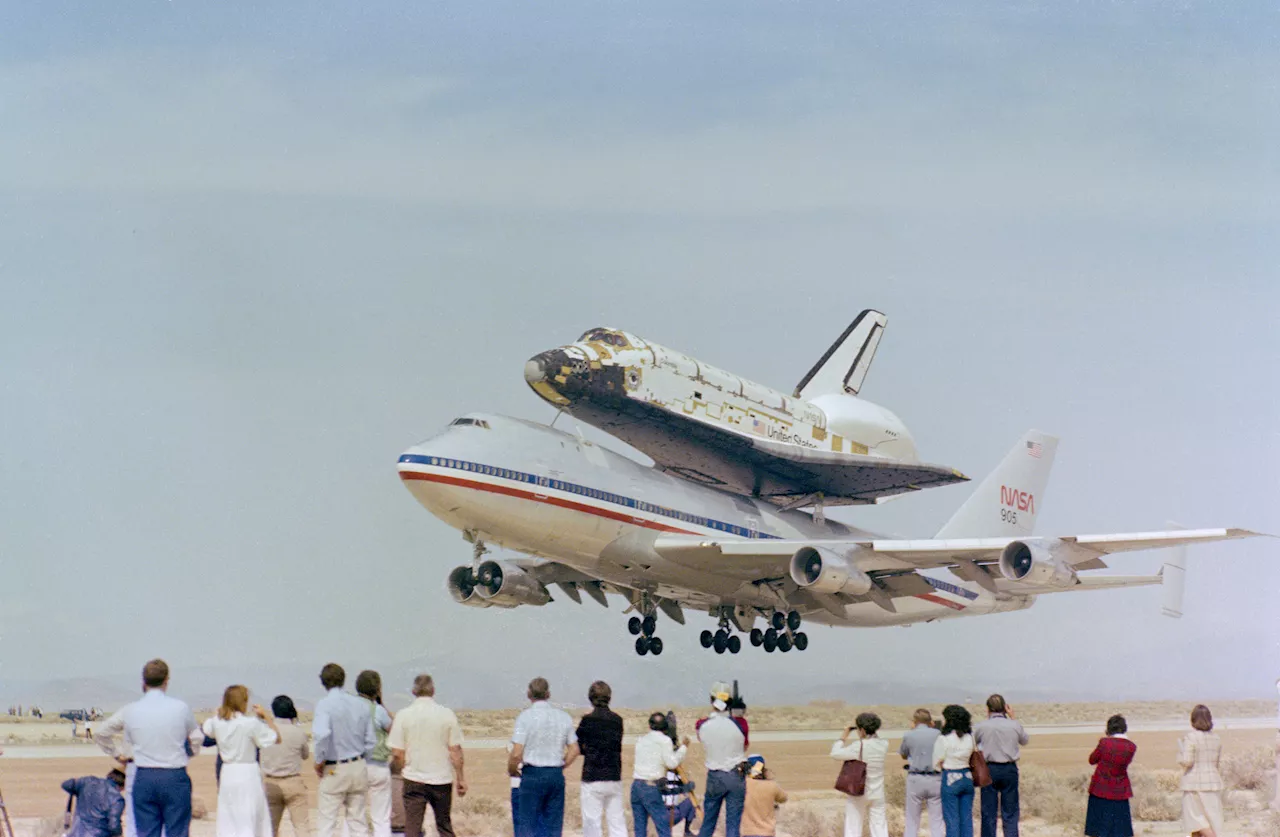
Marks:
<point>1055,769</point>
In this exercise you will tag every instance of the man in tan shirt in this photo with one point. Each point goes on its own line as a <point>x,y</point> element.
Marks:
<point>426,741</point>
<point>282,770</point>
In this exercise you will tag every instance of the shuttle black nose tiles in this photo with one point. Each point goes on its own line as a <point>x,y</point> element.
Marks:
<point>563,377</point>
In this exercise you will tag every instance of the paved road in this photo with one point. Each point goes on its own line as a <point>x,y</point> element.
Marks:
<point>75,751</point>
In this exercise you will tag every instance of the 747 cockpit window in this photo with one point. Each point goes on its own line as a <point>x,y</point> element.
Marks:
<point>469,422</point>
<point>604,335</point>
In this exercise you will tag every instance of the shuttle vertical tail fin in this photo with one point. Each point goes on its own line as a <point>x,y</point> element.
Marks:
<point>1007,501</point>
<point>844,367</point>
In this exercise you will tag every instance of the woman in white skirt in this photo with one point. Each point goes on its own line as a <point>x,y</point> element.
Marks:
<point>1199,752</point>
<point>242,802</point>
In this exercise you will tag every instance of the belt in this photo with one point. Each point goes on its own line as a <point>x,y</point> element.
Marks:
<point>286,776</point>
<point>923,772</point>
<point>657,783</point>
<point>344,761</point>
<point>989,761</point>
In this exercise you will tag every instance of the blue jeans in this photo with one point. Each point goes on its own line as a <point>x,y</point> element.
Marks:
<point>162,801</point>
<point>957,802</point>
<point>729,788</point>
<point>646,804</point>
<point>683,813</point>
<point>1000,799</point>
<point>515,811</point>
<point>541,802</point>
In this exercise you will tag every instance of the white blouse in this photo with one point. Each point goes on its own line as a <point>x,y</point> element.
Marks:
<point>953,751</point>
<point>239,738</point>
<point>872,750</point>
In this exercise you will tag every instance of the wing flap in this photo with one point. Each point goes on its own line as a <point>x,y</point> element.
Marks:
<point>1083,584</point>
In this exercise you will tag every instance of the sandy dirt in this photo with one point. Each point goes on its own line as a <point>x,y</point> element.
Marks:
<point>31,785</point>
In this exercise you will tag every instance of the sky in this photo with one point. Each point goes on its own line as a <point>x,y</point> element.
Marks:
<point>250,253</point>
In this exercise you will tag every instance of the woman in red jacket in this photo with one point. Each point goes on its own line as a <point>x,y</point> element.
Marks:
<point>1109,792</point>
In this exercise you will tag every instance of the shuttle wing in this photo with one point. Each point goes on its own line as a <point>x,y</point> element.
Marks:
<point>745,463</point>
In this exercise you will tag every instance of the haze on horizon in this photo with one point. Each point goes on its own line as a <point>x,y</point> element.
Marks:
<point>250,254</point>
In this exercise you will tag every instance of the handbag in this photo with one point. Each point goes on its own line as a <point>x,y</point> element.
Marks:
<point>978,766</point>
<point>853,776</point>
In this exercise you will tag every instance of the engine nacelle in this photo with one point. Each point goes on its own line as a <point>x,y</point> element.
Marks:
<point>825,571</point>
<point>462,586</point>
<point>1034,565</point>
<point>507,585</point>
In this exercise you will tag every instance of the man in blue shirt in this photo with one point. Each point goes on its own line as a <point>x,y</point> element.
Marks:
<point>160,731</point>
<point>342,733</point>
<point>99,804</point>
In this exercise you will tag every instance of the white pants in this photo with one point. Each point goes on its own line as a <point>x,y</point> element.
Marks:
<point>242,802</point>
<point>859,809</point>
<point>130,827</point>
<point>602,801</point>
<point>380,799</point>
<point>921,791</point>
<point>344,789</point>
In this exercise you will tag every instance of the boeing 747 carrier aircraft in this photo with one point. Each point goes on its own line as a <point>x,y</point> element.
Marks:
<point>595,522</point>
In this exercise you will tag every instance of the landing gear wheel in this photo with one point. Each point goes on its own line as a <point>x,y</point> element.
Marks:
<point>770,641</point>
<point>642,645</point>
<point>649,625</point>
<point>757,637</point>
<point>721,642</point>
<point>634,625</point>
<point>784,643</point>
<point>778,621</point>
<point>707,638</point>
<point>735,644</point>
<point>793,621</point>
<point>800,641</point>
<point>655,645</point>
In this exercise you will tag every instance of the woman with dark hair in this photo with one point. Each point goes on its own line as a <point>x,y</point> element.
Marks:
<point>282,770</point>
<point>1108,813</point>
<point>951,753</point>
<point>870,749</point>
<point>1199,753</point>
<point>378,760</point>
<point>242,803</point>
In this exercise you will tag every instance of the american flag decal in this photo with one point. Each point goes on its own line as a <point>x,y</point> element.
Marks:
<point>1034,449</point>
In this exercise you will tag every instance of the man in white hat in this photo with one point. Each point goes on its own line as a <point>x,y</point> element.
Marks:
<point>725,748</point>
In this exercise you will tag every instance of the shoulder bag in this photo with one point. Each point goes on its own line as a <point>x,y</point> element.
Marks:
<point>978,766</point>
<point>853,776</point>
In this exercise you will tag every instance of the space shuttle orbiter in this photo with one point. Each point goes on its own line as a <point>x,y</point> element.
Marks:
<point>819,445</point>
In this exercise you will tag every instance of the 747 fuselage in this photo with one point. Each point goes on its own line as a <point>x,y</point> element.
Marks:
<point>537,490</point>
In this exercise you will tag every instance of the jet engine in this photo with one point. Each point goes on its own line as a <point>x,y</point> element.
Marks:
<point>506,585</point>
<point>1035,565</point>
<point>462,586</point>
<point>824,571</point>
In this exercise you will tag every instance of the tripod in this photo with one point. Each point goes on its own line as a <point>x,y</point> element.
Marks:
<point>6,827</point>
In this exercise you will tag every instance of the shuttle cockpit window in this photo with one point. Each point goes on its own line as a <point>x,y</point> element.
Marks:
<point>469,422</point>
<point>606,336</point>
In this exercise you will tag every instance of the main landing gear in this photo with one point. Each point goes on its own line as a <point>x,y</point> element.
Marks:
<point>783,633</point>
<point>642,629</point>
<point>722,640</point>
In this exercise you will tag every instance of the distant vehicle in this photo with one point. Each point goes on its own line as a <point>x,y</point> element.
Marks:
<point>77,715</point>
